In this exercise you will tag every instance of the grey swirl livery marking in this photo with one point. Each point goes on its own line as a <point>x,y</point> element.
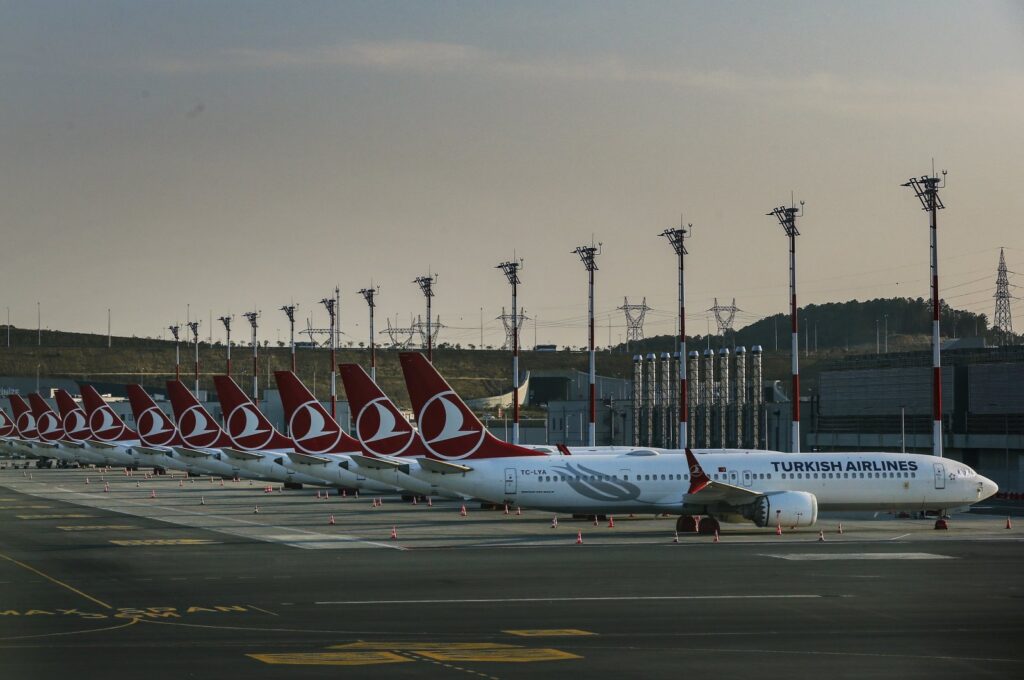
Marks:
<point>578,477</point>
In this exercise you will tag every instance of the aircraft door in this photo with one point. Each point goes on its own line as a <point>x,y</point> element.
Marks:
<point>510,480</point>
<point>747,478</point>
<point>940,476</point>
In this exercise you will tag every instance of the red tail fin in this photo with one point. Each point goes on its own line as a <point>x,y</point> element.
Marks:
<point>196,426</point>
<point>6,424</point>
<point>698,478</point>
<point>104,424</point>
<point>76,425</point>
<point>23,418</point>
<point>381,428</point>
<point>247,427</point>
<point>449,429</point>
<point>48,426</point>
<point>155,428</point>
<point>310,425</point>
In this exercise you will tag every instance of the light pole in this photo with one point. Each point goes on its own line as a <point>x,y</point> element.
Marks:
<point>370,294</point>
<point>926,188</point>
<point>177,351</point>
<point>587,256</point>
<point>226,320</point>
<point>253,317</point>
<point>511,269</point>
<point>675,238</point>
<point>426,284</point>
<point>332,311</point>
<point>194,327</point>
<point>787,218</point>
<point>290,311</point>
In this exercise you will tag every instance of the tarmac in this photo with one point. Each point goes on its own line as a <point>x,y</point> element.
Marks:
<point>166,576</point>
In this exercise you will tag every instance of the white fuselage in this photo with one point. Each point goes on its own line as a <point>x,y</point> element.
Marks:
<point>650,482</point>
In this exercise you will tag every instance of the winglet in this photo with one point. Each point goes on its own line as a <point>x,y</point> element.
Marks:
<point>698,480</point>
<point>564,450</point>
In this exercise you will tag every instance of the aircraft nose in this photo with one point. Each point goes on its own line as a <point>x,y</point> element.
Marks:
<point>988,488</point>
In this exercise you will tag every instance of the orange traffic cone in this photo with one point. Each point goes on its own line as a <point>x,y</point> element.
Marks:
<point>152,493</point>
<point>344,493</point>
<point>430,503</point>
<point>256,510</point>
<point>202,500</point>
<point>595,520</point>
<point>579,538</point>
<point>318,494</point>
<point>181,484</point>
<point>506,508</point>
<point>106,488</point>
<point>778,529</point>
<point>222,482</point>
<point>840,528</point>
<point>554,522</point>
<point>821,536</point>
<point>394,534</point>
<point>331,521</point>
<point>414,501</point>
<point>373,502</point>
<point>462,511</point>
<point>519,511</point>
<point>86,480</point>
<point>138,485</point>
<point>675,539</point>
<point>380,502</point>
<point>268,489</point>
<point>611,522</point>
<point>327,494</point>
<point>1009,524</point>
<point>716,536</point>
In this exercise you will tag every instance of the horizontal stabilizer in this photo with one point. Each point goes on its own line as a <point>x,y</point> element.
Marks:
<point>242,455</point>
<point>443,467</point>
<point>308,459</point>
<point>190,453</point>
<point>43,445</point>
<point>69,444</point>
<point>374,463</point>
<point>148,450</point>
<point>100,445</point>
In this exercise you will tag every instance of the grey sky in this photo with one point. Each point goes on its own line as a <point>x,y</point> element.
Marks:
<point>230,155</point>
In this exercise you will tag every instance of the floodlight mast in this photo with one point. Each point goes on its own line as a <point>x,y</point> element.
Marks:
<point>331,304</point>
<point>194,327</point>
<point>926,188</point>
<point>426,284</point>
<point>177,350</point>
<point>226,320</point>
<point>369,294</point>
<point>289,310</point>
<point>587,256</point>
<point>787,218</point>
<point>511,270</point>
<point>252,317</point>
<point>675,238</point>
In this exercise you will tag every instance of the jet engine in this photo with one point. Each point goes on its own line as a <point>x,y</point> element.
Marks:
<point>788,508</point>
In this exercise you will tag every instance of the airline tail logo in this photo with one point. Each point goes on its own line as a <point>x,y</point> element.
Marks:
<point>244,428</point>
<point>696,470</point>
<point>196,428</point>
<point>153,427</point>
<point>27,425</point>
<point>446,433</point>
<point>75,425</point>
<point>380,432</point>
<point>105,425</point>
<point>312,430</point>
<point>6,425</point>
<point>49,427</point>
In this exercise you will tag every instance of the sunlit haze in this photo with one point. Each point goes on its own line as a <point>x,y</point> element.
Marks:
<point>241,155</point>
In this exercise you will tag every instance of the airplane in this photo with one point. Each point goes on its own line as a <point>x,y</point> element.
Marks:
<point>108,434</point>
<point>8,433</point>
<point>318,447</point>
<point>327,451</point>
<point>25,431</point>
<point>385,434</point>
<point>162,441</point>
<point>76,430</point>
<point>767,488</point>
<point>201,432</point>
<point>50,431</point>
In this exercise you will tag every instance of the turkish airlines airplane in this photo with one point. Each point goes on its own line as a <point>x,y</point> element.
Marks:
<point>318,447</point>
<point>76,430</point>
<point>385,434</point>
<point>764,487</point>
<point>109,436</point>
<point>250,451</point>
<point>24,426</point>
<point>8,433</point>
<point>50,432</point>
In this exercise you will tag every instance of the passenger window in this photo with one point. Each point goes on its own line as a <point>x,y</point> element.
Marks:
<point>913,474</point>
<point>815,475</point>
<point>663,478</point>
<point>769,475</point>
<point>686,477</point>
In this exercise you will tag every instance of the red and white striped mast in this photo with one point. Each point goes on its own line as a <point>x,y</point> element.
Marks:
<point>194,327</point>
<point>331,304</point>
<point>787,218</point>
<point>226,320</point>
<point>426,284</point>
<point>369,294</point>
<point>587,255</point>
<point>177,350</point>
<point>290,311</point>
<point>926,188</point>
<point>676,237</point>
<point>511,269</point>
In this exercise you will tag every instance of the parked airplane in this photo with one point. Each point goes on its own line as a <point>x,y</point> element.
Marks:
<point>318,447</point>
<point>50,432</point>
<point>24,426</point>
<point>109,436</point>
<point>76,430</point>
<point>765,487</point>
<point>200,431</point>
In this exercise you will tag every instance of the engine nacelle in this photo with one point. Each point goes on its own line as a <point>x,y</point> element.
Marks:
<point>786,508</point>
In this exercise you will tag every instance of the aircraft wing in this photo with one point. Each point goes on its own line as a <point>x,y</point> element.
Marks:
<point>242,455</point>
<point>100,445</point>
<point>706,490</point>
<point>374,463</point>
<point>307,459</point>
<point>191,453</point>
<point>148,450</point>
<point>442,466</point>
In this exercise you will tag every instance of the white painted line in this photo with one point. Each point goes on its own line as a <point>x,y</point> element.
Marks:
<point>817,557</point>
<point>610,598</point>
<point>896,538</point>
